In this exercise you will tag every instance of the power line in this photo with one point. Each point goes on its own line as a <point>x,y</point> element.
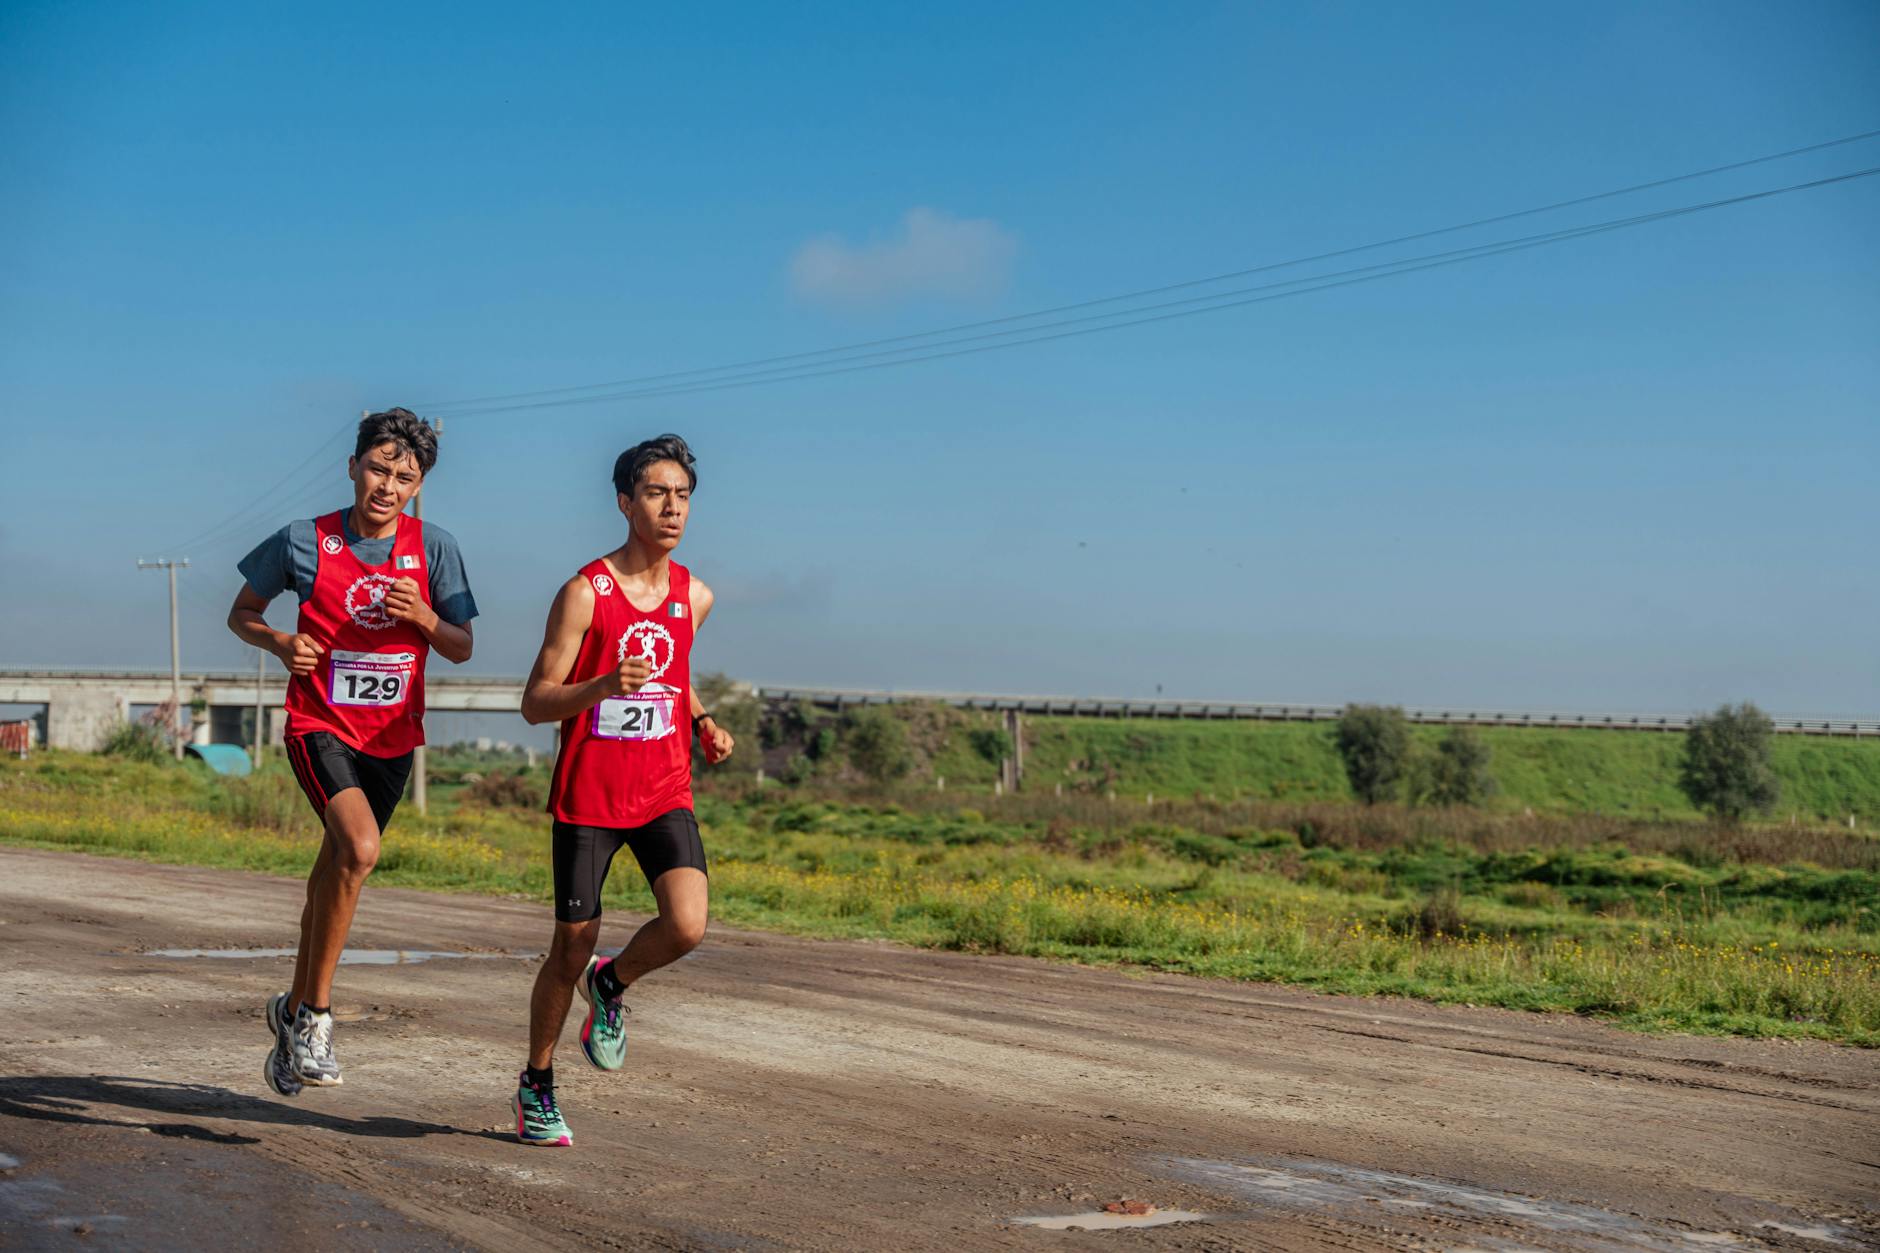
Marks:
<point>263,504</point>
<point>460,407</point>
<point>1337,279</point>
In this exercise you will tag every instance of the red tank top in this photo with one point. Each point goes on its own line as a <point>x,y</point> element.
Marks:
<point>628,760</point>
<point>368,688</point>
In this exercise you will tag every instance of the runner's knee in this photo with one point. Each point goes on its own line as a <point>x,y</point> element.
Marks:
<point>686,930</point>
<point>569,951</point>
<point>355,857</point>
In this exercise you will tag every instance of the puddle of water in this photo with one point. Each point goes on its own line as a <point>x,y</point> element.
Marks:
<point>1099,1221</point>
<point>1315,1185</point>
<point>347,957</point>
<point>9,1162</point>
<point>1820,1231</point>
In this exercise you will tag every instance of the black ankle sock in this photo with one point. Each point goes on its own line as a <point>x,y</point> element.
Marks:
<point>316,1009</point>
<point>609,985</point>
<point>543,1078</point>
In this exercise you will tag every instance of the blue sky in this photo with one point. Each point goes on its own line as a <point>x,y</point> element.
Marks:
<point>1634,471</point>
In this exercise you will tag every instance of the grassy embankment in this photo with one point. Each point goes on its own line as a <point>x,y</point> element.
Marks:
<point>1656,925</point>
<point>1551,771</point>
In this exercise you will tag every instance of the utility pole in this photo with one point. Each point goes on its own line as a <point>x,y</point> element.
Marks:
<point>420,757</point>
<point>261,709</point>
<point>176,656</point>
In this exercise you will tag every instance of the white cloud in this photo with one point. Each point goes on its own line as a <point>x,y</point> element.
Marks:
<point>934,254</point>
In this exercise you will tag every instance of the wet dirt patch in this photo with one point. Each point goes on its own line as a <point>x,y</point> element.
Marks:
<point>347,957</point>
<point>1328,1186</point>
<point>1097,1220</point>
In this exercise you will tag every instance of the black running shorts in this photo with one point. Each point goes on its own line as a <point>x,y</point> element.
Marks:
<point>327,765</point>
<point>583,854</point>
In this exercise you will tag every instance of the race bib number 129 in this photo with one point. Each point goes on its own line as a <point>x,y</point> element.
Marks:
<point>634,717</point>
<point>378,679</point>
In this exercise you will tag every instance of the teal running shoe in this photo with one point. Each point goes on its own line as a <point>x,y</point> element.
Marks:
<point>604,1031</point>
<point>538,1118</point>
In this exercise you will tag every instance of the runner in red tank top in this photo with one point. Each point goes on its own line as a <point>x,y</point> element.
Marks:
<point>355,700</point>
<point>616,671</point>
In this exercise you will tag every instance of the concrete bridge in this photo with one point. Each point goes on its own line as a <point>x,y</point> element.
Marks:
<point>82,706</point>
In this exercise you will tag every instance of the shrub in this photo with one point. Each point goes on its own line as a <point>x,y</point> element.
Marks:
<point>1456,773</point>
<point>991,743</point>
<point>877,744</point>
<point>503,789</point>
<point>269,799</point>
<point>1440,914</point>
<point>137,741</point>
<point>1725,770</point>
<point>1374,741</point>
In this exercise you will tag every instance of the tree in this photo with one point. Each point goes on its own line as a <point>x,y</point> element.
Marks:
<point>1457,772</point>
<point>1725,770</point>
<point>877,744</point>
<point>1374,740</point>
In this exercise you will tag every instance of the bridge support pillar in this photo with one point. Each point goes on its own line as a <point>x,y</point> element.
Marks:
<point>82,717</point>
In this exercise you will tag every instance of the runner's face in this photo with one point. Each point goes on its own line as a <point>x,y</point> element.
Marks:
<point>384,481</point>
<point>657,510</point>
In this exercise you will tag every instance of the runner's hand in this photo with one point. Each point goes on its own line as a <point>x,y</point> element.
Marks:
<point>403,602</point>
<point>632,675</point>
<point>301,653</point>
<point>716,741</point>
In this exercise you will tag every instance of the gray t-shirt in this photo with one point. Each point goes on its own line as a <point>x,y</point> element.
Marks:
<point>286,559</point>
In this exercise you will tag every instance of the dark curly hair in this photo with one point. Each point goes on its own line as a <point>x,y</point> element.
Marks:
<point>633,464</point>
<point>411,433</point>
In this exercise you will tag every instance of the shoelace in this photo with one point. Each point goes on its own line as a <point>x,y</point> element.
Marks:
<point>321,1040</point>
<point>544,1102</point>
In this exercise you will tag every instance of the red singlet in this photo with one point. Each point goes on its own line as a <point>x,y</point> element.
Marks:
<point>628,760</point>
<point>368,688</point>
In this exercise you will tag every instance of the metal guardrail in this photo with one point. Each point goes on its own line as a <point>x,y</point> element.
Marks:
<point>1089,707</point>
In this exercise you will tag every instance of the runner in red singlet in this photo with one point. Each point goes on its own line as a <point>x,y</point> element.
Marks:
<point>615,670</point>
<point>355,698</point>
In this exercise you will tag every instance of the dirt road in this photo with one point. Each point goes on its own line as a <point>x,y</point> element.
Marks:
<point>798,1094</point>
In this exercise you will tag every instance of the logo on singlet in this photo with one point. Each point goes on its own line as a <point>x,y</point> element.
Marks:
<point>365,601</point>
<point>331,545</point>
<point>603,584</point>
<point>651,641</point>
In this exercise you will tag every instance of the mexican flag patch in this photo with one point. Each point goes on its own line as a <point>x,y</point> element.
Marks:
<point>675,610</point>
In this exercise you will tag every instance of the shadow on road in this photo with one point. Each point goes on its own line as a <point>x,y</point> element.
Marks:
<point>73,1098</point>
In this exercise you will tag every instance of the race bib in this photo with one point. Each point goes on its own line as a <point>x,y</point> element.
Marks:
<point>378,679</point>
<point>646,715</point>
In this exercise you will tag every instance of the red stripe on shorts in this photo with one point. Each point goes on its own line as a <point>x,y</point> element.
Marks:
<point>302,762</point>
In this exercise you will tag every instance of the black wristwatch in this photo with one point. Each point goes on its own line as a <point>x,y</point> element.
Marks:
<point>700,718</point>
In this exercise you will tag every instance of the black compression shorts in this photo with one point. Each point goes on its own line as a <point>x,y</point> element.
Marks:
<point>583,854</point>
<point>327,765</point>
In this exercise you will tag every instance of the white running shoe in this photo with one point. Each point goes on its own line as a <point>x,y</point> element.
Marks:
<point>313,1049</point>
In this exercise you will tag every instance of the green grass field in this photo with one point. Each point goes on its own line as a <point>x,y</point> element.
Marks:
<point>1653,925</point>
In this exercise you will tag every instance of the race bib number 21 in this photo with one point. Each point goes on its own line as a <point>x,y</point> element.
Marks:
<point>377,679</point>
<point>634,717</point>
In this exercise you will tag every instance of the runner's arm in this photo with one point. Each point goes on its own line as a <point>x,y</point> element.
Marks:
<point>404,603</point>
<point>715,740</point>
<point>299,653</point>
<point>546,698</point>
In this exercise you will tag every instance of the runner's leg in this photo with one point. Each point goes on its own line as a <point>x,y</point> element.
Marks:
<point>322,866</point>
<point>354,836</point>
<point>683,900</point>
<point>568,955</point>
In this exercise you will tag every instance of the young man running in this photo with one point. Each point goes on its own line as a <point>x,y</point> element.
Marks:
<point>615,671</point>
<point>378,591</point>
